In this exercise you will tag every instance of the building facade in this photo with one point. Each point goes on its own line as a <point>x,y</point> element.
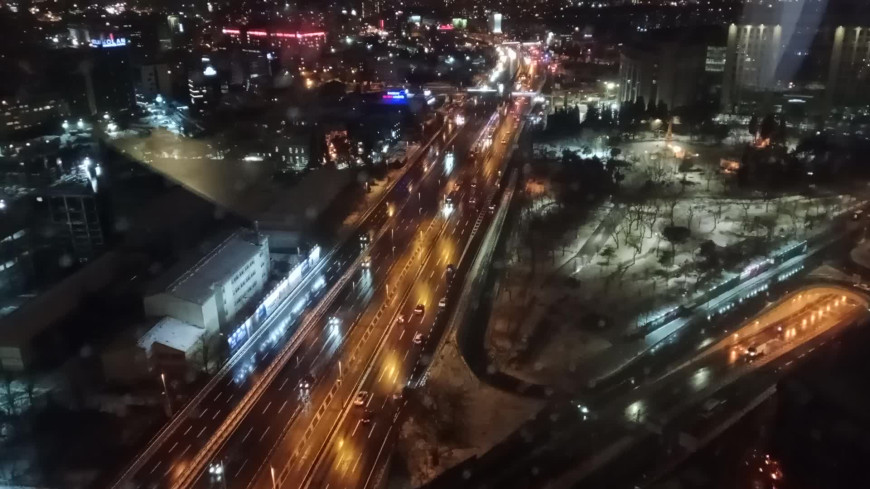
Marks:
<point>662,72</point>
<point>848,80</point>
<point>209,292</point>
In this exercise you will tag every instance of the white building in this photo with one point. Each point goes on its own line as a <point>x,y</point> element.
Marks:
<point>210,291</point>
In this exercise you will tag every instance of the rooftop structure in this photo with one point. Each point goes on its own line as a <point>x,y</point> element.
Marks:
<point>209,290</point>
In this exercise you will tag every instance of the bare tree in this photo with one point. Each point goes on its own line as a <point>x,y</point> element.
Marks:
<point>717,214</point>
<point>7,396</point>
<point>690,215</point>
<point>210,352</point>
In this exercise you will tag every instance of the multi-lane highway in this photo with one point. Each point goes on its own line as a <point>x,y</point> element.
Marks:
<point>360,445</point>
<point>166,459</point>
<point>279,413</point>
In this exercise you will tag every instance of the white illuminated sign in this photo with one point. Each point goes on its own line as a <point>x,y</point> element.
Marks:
<point>109,43</point>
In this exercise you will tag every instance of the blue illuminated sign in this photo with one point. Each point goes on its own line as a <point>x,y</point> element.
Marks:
<point>111,42</point>
<point>395,96</point>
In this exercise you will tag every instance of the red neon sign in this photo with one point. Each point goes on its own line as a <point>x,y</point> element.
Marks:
<point>258,33</point>
<point>445,27</point>
<point>231,31</point>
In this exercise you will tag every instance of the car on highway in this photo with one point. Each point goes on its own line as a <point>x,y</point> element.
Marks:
<point>307,382</point>
<point>472,200</point>
<point>367,261</point>
<point>367,416</point>
<point>418,339</point>
<point>420,309</point>
<point>474,184</point>
<point>503,140</point>
<point>451,269</point>
<point>364,239</point>
<point>361,398</point>
<point>442,303</point>
<point>754,352</point>
<point>492,207</point>
<point>401,319</point>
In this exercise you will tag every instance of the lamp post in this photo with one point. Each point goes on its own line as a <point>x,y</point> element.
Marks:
<point>166,394</point>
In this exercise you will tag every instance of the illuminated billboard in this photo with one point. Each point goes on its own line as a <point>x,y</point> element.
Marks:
<point>111,42</point>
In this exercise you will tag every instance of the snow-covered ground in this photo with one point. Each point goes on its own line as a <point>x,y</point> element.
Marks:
<point>486,416</point>
<point>556,315</point>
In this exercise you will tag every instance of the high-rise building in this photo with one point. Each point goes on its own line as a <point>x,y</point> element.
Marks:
<point>753,52</point>
<point>848,80</point>
<point>827,65</point>
<point>75,212</point>
<point>495,22</point>
<point>17,115</point>
<point>676,67</point>
<point>667,72</point>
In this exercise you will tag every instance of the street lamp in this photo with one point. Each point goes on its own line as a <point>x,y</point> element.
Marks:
<point>166,393</point>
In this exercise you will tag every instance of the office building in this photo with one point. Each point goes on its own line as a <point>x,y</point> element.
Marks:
<point>662,72</point>
<point>75,213</point>
<point>208,291</point>
<point>848,81</point>
<point>20,115</point>
<point>494,22</point>
<point>203,90</point>
<point>675,66</point>
<point>155,79</point>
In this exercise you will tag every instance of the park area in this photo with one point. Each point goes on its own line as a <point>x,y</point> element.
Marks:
<point>604,240</point>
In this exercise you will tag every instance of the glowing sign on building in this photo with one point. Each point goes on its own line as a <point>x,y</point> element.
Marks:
<point>111,42</point>
<point>395,96</point>
<point>445,27</point>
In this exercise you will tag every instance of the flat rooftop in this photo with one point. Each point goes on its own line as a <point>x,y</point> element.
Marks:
<point>192,279</point>
<point>173,333</point>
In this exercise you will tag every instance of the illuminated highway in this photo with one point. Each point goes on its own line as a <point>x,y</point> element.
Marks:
<point>359,447</point>
<point>274,419</point>
<point>166,459</point>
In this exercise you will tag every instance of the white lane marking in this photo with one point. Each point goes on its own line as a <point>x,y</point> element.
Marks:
<point>188,429</point>
<point>374,423</point>
<point>267,407</point>
<point>155,467</point>
<point>173,447</point>
<point>216,412</point>
<point>283,383</point>
<point>282,407</point>
<point>355,428</point>
<point>248,434</point>
<point>264,434</point>
<point>218,396</point>
<point>200,432</point>
<point>240,468</point>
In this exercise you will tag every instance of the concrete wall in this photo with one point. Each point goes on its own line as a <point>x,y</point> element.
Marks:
<point>203,315</point>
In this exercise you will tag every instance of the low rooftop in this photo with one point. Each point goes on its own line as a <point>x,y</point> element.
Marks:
<point>192,279</point>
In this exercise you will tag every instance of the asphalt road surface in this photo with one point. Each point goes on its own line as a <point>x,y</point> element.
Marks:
<point>172,456</point>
